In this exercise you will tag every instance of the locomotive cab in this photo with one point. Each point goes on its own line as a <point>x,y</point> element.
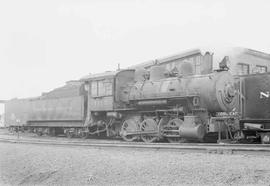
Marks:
<point>106,91</point>
<point>107,96</point>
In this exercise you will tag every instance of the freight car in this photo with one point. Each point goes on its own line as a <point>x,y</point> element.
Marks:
<point>254,106</point>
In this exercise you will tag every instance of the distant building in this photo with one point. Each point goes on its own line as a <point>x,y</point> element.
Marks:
<point>2,124</point>
<point>239,60</point>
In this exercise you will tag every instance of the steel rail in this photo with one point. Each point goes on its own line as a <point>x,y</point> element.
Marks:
<point>194,147</point>
<point>120,140</point>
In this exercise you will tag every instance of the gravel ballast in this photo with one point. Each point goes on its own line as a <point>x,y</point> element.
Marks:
<point>22,164</point>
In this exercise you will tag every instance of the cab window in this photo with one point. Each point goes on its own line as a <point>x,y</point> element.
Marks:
<point>102,88</point>
<point>108,87</point>
<point>94,89</point>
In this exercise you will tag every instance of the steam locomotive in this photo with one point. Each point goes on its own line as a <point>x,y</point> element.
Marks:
<point>149,106</point>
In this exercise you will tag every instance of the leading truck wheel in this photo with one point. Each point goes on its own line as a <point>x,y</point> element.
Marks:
<point>151,126</point>
<point>130,126</point>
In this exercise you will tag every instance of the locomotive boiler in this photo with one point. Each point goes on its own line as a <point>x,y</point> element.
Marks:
<point>214,92</point>
<point>176,106</point>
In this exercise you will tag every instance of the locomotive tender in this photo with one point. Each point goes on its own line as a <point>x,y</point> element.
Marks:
<point>51,113</point>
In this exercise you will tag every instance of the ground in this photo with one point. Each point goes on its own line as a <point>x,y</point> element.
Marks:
<point>22,164</point>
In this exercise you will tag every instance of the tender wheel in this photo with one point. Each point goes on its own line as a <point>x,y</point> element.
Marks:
<point>69,134</point>
<point>173,129</point>
<point>149,125</point>
<point>83,134</point>
<point>129,126</point>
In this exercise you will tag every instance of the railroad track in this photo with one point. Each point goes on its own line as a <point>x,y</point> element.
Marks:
<point>254,149</point>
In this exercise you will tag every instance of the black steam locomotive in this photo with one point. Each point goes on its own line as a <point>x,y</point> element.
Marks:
<point>151,106</point>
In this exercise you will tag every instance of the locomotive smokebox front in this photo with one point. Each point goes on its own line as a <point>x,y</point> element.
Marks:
<point>217,91</point>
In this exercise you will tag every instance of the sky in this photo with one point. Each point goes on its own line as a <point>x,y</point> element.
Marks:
<point>43,44</point>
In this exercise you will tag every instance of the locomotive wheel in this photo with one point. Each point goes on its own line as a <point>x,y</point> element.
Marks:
<point>162,122</point>
<point>174,124</point>
<point>129,126</point>
<point>151,126</point>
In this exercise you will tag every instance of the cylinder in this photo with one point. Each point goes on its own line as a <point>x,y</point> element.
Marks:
<point>196,132</point>
<point>192,128</point>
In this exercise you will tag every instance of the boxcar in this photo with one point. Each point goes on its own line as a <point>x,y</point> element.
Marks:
<point>255,106</point>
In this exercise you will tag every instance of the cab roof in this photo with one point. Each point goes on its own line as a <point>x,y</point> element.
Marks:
<point>107,74</point>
